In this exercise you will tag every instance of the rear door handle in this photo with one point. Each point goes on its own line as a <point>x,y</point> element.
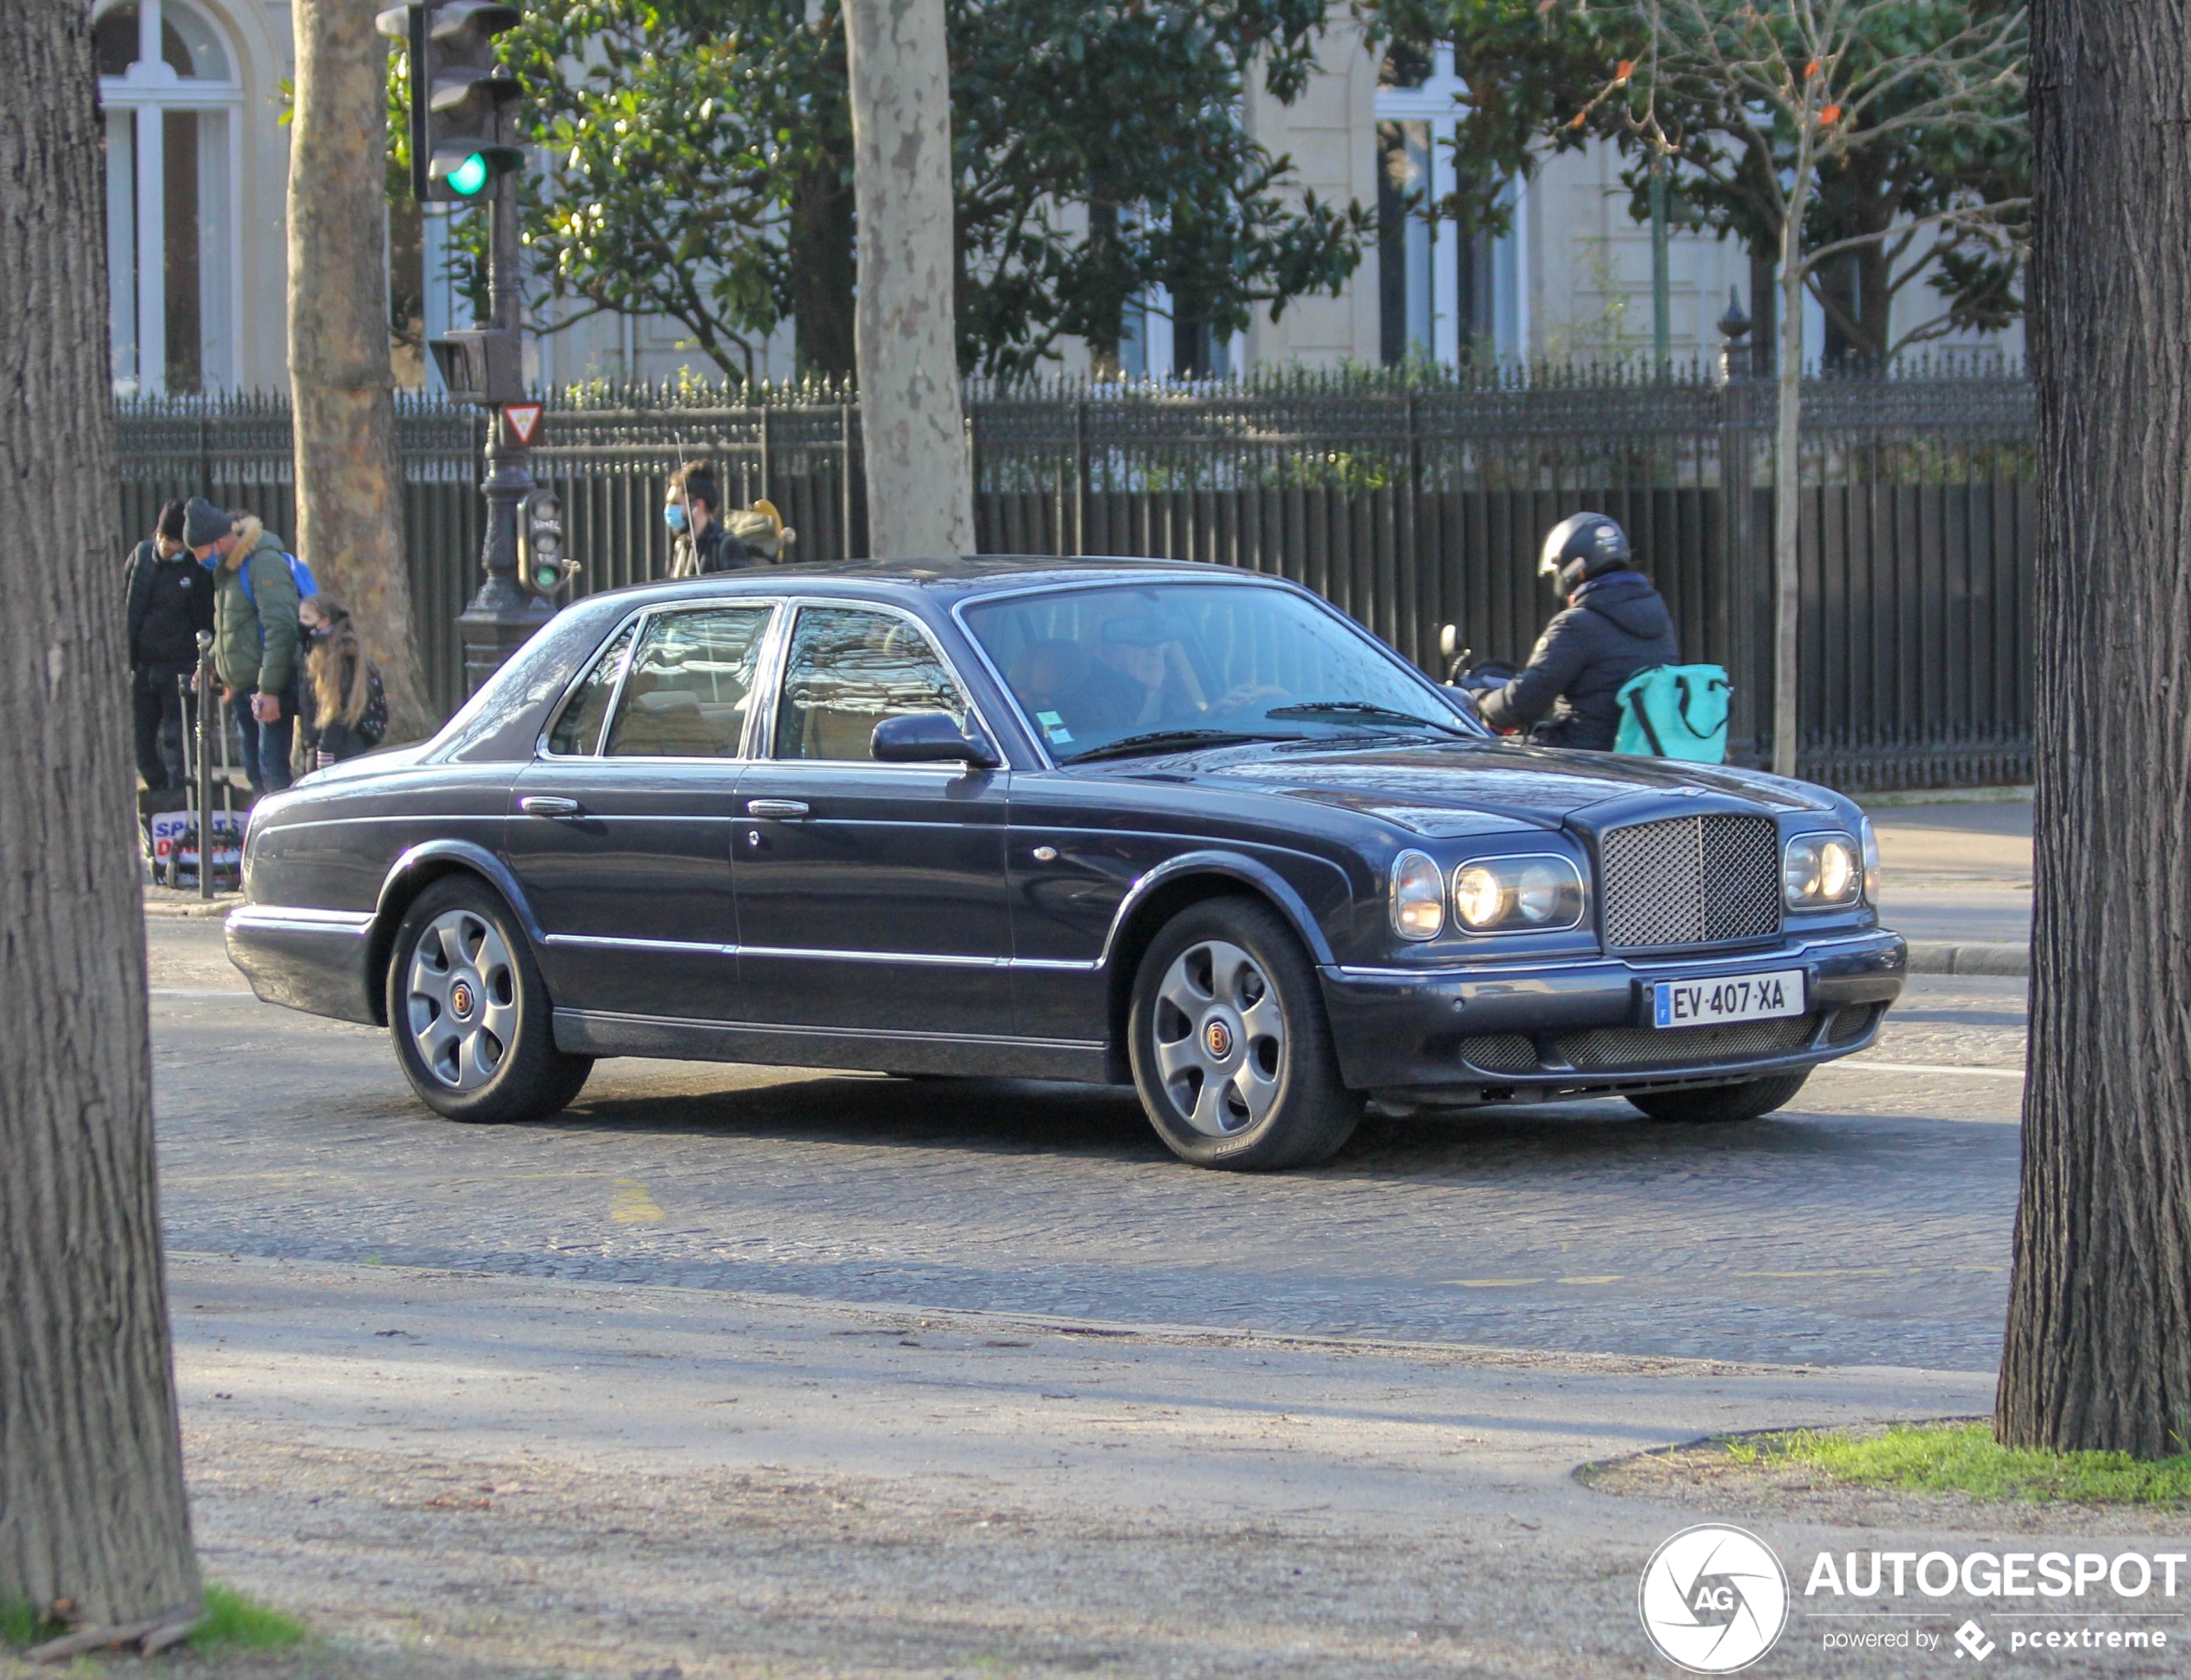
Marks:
<point>545,804</point>
<point>783,809</point>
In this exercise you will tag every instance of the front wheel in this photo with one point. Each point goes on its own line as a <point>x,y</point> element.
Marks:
<point>1715,1105</point>
<point>470,1012</point>
<point>1232,1054</point>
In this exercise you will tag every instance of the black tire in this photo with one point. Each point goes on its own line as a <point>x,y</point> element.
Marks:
<point>1278,1045</point>
<point>1716,1105</point>
<point>495,1058</point>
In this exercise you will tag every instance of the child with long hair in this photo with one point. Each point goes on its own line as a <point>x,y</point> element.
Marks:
<point>342,712</point>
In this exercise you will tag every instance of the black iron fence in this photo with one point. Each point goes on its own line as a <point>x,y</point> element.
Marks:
<point>1408,504</point>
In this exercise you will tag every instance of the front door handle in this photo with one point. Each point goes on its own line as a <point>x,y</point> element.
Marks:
<point>783,809</point>
<point>546,804</point>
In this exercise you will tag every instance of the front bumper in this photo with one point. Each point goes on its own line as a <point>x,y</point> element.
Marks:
<point>1508,1031</point>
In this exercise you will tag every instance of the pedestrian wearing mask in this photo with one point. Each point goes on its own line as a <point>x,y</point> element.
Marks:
<point>699,541</point>
<point>342,710</point>
<point>257,639</point>
<point>168,601</point>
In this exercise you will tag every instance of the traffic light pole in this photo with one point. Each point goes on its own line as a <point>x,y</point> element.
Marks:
<point>505,613</point>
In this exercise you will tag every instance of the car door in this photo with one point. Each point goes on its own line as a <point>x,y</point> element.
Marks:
<point>620,830</point>
<point>870,897</point>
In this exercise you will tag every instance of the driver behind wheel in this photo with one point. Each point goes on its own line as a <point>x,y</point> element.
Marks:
<point>1613,625</point>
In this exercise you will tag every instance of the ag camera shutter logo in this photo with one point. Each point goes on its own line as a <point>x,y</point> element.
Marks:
<point>1714,1599</point>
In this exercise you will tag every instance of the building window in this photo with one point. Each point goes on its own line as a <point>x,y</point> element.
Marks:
<point>172,104</point>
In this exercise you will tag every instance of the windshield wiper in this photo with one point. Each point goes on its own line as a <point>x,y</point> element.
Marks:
<point>1168,740</point>
<point>1363,709</point>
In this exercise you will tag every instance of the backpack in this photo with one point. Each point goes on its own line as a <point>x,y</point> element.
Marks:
<point>1675,711</point>
<point>372,722</point>
<point>300,574</point>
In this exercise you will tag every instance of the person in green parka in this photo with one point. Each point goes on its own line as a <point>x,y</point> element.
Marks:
<point>255,637</point>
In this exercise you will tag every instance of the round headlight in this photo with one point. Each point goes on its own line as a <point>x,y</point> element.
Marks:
<point>1479,897</point>
<point>1537,893</point>
<point>1871,862</point>
<point>1836,871</point>
<point>1821,869</point>
<point>1418,897</point>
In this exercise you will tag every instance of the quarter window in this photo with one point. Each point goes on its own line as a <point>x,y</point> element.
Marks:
<point>691,676</point>
<point>850,668</point>
<point>578,731</point>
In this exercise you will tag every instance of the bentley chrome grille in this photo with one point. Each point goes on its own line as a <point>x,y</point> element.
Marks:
<point>1691,880</point>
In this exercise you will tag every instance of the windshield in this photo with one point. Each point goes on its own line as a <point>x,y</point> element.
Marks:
<point>1173,663</point>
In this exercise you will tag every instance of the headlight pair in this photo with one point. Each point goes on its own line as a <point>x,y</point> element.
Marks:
<point>1819,871</point>
<point>1537,893</point>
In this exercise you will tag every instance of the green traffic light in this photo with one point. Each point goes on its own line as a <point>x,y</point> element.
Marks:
<point>469,176</point>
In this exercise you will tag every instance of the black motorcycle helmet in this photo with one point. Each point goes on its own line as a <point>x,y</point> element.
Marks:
<point>1581,547</point>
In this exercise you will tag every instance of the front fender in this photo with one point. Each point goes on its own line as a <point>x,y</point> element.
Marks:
<point>1249,871</point>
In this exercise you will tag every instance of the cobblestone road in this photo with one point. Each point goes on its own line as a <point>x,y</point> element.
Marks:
<point>1867,1224</point>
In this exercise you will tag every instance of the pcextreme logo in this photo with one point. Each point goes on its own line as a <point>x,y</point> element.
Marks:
<point>1714,1599</point>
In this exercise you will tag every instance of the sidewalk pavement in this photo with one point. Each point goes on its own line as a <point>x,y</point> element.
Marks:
<point>469,1475</point>
<point>1959,884</point>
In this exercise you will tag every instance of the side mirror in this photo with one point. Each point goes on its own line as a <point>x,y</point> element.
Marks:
<point>928,737</point>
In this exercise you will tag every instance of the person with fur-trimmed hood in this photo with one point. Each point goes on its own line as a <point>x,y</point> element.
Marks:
<point>256,641</point>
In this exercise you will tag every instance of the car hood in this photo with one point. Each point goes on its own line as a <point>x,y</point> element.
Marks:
<point>1457,787</point>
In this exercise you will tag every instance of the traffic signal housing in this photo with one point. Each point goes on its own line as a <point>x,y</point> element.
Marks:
<point>460,96</point>
<point>546,569</point>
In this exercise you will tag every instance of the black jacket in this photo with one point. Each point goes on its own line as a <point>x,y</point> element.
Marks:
<point>716,550</point>
<point>169,602</point>
<point>1617,626</point>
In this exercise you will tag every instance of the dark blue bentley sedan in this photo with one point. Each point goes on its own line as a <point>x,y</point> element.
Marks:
<point>1117,821</point>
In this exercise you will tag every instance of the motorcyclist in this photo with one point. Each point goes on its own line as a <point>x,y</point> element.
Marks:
<point>1614,624</point>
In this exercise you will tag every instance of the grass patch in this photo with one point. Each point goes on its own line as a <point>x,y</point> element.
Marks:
<point>20,1622</point>
<point>1965,1458</point>
<point>233,1622</point>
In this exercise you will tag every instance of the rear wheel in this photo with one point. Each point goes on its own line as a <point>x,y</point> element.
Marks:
<point>1714,1105</point>
<point>470,1012</point>
<point>1231,1050</point>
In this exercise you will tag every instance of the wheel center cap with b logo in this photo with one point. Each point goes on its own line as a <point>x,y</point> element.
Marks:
<point>1217,1039</point>
<point>460,999</point>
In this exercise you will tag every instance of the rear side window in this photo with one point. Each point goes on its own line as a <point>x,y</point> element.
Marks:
<point>848,670</point>
<point>691,674</point>
<point>578,731</point>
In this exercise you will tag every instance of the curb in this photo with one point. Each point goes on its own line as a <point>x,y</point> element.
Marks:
<point>1975,956</point>
<point>165,908</point>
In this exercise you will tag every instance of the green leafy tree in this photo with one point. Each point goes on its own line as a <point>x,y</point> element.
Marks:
<point>1901,201</point>
<point>698,166</point>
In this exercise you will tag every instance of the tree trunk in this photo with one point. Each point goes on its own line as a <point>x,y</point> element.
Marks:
<point>91,1505</point>
<point>822,273</point>
<point>2097,1351</point>
<point>1787,580</point>
<point>920,490</point>
<point>350,484</point>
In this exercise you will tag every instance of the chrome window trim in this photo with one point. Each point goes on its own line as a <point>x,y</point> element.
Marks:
<point>1237,581</point>
<point>638,621</point>
<point>763,750</point>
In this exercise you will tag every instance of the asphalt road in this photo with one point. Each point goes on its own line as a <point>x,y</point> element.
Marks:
<point>1867,1224</point>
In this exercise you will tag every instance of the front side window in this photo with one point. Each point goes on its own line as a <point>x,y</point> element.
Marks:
<point>848,669</point>
<point>691,676</point>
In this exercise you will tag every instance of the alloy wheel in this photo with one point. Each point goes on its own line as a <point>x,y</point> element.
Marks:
<point>1219,1038</point>
<point>461,998</point>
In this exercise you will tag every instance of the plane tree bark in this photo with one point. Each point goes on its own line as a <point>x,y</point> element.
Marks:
<point>350,483</point>
<point>919,488</point>
<point>2098,1349</point>
<point>93,1514</point>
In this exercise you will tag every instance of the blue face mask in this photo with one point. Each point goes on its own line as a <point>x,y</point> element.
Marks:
<point>673,515</point>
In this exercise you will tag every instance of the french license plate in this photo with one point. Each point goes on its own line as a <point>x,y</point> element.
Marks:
<point>1727,998</point>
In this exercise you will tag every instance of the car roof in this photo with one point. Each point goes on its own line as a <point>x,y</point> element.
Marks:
<point>961,577</point>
